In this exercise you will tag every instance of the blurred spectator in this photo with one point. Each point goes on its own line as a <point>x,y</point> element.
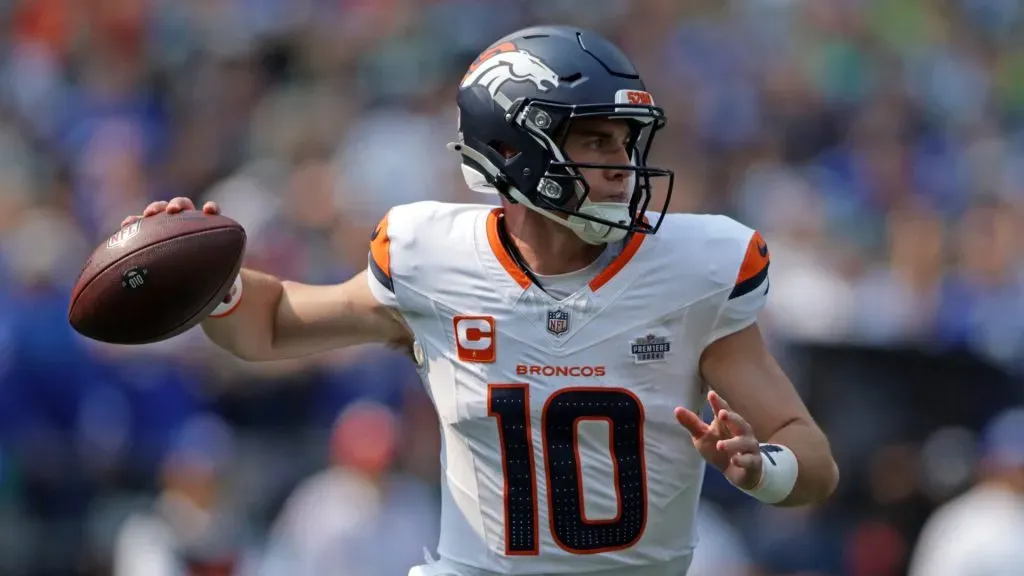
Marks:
<point>982,306</point>
<point>896,299</point>
<point>980,532</point>
<point>356,518</point>
<point>191,530</point>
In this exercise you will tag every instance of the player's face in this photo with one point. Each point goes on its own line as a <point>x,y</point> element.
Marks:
<point>601,141</point>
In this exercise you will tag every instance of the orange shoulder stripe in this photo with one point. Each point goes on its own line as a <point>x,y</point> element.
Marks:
<point>755,260</point>
<point>754,268</point>
<point>380,252</point>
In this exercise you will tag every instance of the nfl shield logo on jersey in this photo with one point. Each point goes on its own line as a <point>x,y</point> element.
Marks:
<point>558,322</point>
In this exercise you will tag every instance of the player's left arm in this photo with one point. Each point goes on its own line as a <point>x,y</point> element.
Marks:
<point>762,437</point>
<point>761,401</point>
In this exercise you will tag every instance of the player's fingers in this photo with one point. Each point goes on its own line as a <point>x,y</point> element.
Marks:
<point>717,402</point>
<point>718,427</point>
<point>180,204</point>
<point>693,424</point>
<point>211,208</point>
<point>154,208</point>
<point>736,424</point>
<point>745,460</point>
<point>717,406</point>
<point>129,220</point>
<point>738,445</point>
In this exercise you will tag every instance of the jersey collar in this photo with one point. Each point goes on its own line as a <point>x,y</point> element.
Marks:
<point>521,276</point>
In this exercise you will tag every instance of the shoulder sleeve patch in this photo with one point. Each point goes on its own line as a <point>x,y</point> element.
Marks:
<point>754,268</point>
<point>380,254</point>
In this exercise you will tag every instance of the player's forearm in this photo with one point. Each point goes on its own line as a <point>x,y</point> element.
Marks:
<point>248,330</point>
<point>278,319</point>
<point>311,319</point>
<point>818,474</point>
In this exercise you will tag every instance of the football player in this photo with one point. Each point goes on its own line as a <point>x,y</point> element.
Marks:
<point>568,339</point>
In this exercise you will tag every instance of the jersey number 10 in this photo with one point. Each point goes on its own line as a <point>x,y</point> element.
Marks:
<point>509,404</point>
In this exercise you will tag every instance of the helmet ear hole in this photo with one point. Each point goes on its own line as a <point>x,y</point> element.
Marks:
<point>506,151</point>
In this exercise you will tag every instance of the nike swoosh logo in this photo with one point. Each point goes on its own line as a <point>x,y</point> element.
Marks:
<point>375,233</point>
<point>767,451</point>
<point>763,249</point>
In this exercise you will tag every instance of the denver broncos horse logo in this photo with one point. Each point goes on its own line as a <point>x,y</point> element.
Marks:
<point>506,63</point>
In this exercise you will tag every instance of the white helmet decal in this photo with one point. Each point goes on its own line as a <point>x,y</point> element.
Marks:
<point>506,63</point>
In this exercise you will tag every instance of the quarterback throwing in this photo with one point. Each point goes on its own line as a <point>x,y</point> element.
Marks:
<point>569,338</point>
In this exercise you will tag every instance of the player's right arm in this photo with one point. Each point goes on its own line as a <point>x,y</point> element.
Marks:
<point>276,319</point>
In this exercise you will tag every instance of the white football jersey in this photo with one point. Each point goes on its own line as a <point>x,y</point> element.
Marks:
<point>560,450</point>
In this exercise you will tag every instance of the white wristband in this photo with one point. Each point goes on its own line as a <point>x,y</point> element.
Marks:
<point>231,301</point>
<point>779,471</point>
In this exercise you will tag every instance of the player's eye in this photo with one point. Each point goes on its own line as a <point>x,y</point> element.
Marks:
<point>607,144</point>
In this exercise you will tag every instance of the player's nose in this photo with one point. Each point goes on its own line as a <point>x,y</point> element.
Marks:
<point>619,158</point>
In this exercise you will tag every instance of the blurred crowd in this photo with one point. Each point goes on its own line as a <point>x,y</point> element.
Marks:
<point>877,144</point>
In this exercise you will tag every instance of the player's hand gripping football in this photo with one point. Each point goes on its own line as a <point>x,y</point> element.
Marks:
<point>171,207</point>
<point>728,443</point>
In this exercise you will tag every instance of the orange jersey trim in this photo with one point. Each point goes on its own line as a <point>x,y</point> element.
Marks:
<point>501,254</point>
<point>523,280</point>
<point>619,263</point>
<point>754,268</point>
<point>380,247</point>
<point>755,260</point>
<point>380,254</point>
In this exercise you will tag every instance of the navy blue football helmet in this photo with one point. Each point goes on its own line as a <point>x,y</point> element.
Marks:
<point>523,93</point>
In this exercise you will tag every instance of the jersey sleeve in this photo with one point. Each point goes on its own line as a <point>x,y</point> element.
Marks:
<point>399,259</point>
<point>748,294</point>
<point>382,284</point>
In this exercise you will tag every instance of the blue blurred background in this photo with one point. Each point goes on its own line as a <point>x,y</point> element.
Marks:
<point>877,144</point>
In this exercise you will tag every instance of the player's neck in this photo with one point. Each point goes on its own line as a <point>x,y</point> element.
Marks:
<point>546,247</point>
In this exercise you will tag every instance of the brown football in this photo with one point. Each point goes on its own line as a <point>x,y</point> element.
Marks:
<point>157,277</point>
